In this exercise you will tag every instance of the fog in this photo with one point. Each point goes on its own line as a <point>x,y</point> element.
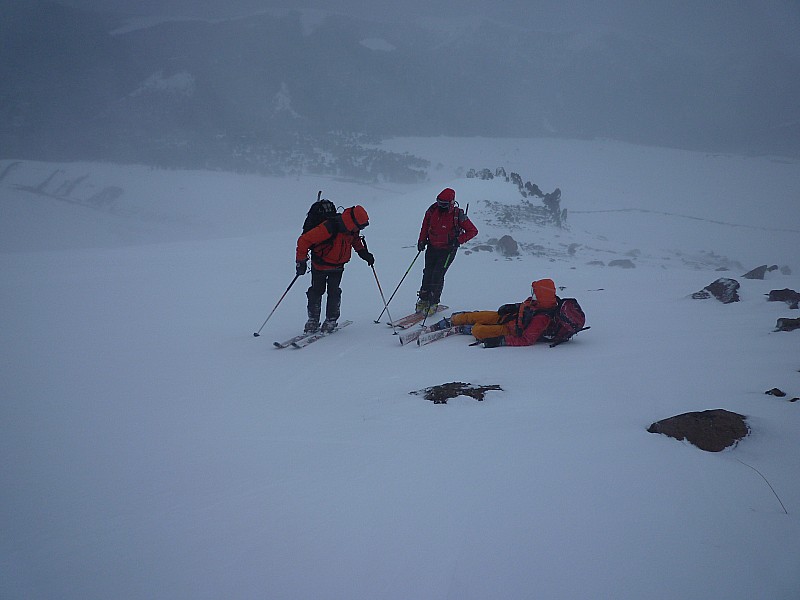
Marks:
<point>280,87</point>
<point>743,23</point>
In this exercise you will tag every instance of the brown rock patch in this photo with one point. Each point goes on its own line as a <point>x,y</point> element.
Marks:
<point>710,430</point>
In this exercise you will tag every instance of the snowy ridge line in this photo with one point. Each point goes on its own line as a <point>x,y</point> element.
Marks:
<point>669,214</point>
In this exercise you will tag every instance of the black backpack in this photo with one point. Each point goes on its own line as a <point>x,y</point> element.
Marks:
<point>322,210</point>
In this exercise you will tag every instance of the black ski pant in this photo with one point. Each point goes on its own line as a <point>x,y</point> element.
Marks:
<point>437,261</point>
<point>322,280</point>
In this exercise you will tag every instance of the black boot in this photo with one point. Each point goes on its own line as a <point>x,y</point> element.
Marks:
<point>445,323</point>
<point>314,308</point>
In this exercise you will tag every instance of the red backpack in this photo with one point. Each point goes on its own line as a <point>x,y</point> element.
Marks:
<point>568,319</point>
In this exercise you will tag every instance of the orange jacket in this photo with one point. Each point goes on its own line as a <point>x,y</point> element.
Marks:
<point>331,243</point>
<point>529,324</point>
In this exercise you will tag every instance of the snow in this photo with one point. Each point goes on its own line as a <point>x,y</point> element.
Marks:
<point>179,84</point>
<point>378,44</point>
<point>153,448</point>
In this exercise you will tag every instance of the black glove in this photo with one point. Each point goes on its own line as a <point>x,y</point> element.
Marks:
<point>301,266</point>
<point>494,342</point>
<point>367,256</point>
<point>508,309</point>
<point>421,245</point>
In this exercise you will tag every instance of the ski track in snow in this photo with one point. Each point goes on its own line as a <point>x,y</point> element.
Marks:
<point>669,214</point>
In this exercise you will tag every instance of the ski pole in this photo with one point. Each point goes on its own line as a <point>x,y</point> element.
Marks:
<point>258,333</point>
<point>385,304</point>
<point>378,320</point>
<point>380,289</point>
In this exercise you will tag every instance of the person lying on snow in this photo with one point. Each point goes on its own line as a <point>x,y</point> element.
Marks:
<point>521,324</point>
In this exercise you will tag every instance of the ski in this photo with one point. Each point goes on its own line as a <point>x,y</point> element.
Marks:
<point>318,335</point>
<point>292,340</point>
<point>414,318</point>
<point>427,337</point>
<point>411,336</point>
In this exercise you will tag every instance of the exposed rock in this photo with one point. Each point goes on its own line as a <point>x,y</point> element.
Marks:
<point>759,272</point>
<point>508,246</point>
<point>484,174</point>
<point>623,263</point>
<point>778,393</point>
<point>533,190</point>
<point>785,295</point>
<point>723,289</point>
<point>710,430</point>
<point>787,324</point>
<point>440,394</point>
<point>785,270</point>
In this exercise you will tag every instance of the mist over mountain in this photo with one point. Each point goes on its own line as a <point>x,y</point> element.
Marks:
<point>287,90</point>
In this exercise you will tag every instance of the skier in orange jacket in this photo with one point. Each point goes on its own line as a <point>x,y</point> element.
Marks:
<point>330,243</point>
<point>520,324</point>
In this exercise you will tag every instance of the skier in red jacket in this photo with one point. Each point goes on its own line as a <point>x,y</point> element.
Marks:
<point>330,243</point>
<point>444,228</point>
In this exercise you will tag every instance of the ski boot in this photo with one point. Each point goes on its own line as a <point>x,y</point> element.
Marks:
<point>432,308</point>
<point>329,325</point>
<point>312,311</point>
<point>445,323</point>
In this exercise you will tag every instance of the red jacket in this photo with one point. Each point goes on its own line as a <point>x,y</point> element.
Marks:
<point>440,228</point>
<point>529,326</point>
<point>331,244</point>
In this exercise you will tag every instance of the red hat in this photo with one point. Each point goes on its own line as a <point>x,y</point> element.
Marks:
<point>544,291</point>
<point>355,218</point>
<point>447,194</point>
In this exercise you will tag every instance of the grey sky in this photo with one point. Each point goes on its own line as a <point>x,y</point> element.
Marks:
<point>692,16</point>
<point>683,71</point>
<point>749,23</point>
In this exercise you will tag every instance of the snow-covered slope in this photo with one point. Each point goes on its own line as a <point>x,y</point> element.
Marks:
<point>153,448</point>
